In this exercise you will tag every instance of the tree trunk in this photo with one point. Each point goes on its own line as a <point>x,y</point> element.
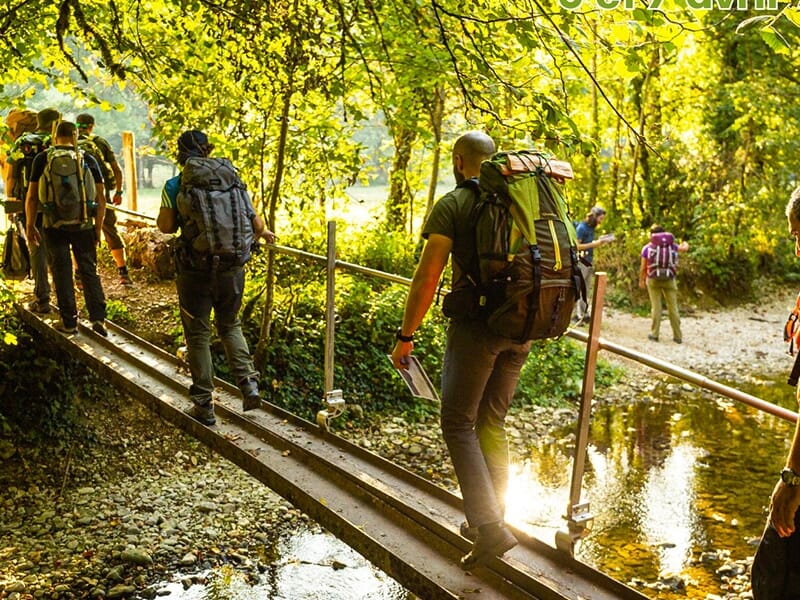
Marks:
<point>399,200</point>
<point>266,318</point>
<point>436,116</point>
<point>594,169</point>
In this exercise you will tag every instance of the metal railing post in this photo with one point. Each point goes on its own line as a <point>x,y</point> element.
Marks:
<point>330,289</point>
<point>334,399</point>
<point>579,517</point>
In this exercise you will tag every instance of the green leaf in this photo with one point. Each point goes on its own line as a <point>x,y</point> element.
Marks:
<point>775,41</point>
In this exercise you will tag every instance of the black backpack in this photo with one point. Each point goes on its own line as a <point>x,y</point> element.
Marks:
<point>526,264</point>
<point>16,259</point>
<point>25,150</point>
<point>215,213</point>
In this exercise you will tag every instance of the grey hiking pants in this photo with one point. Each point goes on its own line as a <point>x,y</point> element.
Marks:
<point>479,376</point>
<point>198,293</point>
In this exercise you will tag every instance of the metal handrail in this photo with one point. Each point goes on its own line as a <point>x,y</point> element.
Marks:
<point>689,376</point>
<point>603,344</point>
<point>579,518</point>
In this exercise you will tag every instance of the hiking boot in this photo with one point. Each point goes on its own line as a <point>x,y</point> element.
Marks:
<point>99,328</point>
<point>470,533</point>
<point>652,338</point>
<point>204,413</point>
<point>125,279</point>
<point>64,328</point>
<point>492,540</point>
<point>41,308</point>
<point>677,340</point>
<point>250,397</point>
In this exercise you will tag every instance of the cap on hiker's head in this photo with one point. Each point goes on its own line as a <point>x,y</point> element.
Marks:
<point>656,228</point>
<point>46,118</point>
<point>598,211</point>
<point>192,144</point>
<point>84,120</point>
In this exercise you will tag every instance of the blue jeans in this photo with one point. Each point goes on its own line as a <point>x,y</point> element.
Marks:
<point>198,293</point>
<point>479,376</point>
<point>83,246</point>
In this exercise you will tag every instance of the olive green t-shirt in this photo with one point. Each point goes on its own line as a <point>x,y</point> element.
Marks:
<point>451,216</point>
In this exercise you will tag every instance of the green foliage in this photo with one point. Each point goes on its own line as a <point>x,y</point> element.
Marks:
<point>38,385</point>
<point>553,373</point>
<point>117,311</point>
<point>368,312</point>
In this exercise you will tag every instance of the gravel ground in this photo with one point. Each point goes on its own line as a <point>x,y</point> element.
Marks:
<point>726,343</point>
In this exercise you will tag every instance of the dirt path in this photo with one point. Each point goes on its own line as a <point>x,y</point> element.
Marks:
<point>746,339</point>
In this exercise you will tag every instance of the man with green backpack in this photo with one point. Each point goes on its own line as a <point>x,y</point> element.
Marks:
<point>515,279</point>
<point>26,147</point>
<point>66,186</point>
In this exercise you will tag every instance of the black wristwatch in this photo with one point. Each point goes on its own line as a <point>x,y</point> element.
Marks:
<point>403,338</point>
<point>789,477</point>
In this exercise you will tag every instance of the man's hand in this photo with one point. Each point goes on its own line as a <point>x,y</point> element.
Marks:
<point>402,350</point>
<point>268,236</point>
<point>117,199</point>
<point>783,506</point>
<point>33,235</point>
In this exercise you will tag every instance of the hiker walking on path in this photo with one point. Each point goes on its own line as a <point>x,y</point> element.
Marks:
<point>21,159</point>
<point>657,271</point>
<point>775,574</point>
<point>585,232</point>
<point>19,122</point>
<point>63,184</point>
<point>210,266</point>
<point>101,150</point>
<point>480,368</point>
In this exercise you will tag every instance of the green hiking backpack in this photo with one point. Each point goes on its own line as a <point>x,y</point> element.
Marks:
<point>526,264</point>
<point>98,148</point>
<point>66,189</point>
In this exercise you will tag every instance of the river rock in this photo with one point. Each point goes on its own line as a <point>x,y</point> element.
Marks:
<point>121,591</point>
<point>136,557</point>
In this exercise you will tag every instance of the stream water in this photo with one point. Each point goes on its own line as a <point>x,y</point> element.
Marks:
<point>678,482</point>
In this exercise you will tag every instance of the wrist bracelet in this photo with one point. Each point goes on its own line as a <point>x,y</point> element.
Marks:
<point>403,338</point>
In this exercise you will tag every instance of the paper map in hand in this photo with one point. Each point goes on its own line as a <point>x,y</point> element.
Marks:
<point>417,379</point>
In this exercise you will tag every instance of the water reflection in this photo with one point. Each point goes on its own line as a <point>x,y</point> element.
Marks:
<point>678,473</point>
<point>311,566</point>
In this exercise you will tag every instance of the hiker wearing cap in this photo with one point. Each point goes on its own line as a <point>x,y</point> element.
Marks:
<point>101,150</point>
<point>22,155</point>
<point>585,232</point>
<point>209,263</point>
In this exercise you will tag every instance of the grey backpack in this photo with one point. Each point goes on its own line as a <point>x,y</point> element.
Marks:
<point>66,189</point>
<point>215,212</point>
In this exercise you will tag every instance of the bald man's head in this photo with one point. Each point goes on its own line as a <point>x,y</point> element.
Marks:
<point>469,151</point>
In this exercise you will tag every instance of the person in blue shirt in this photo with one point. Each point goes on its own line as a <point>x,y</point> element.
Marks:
<point>585,231</point>
<point>203,288</point>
